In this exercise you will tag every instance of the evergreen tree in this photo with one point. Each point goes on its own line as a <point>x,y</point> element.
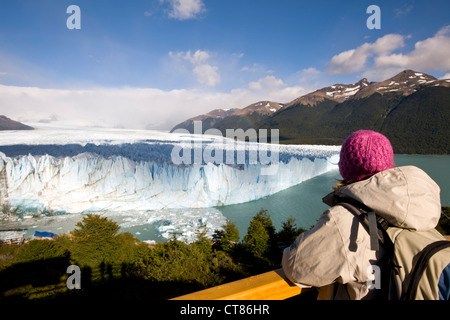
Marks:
<point>37,250</point>
<point>203,242</point>
<point>288,234</point>
<point>257,239</point>
<point>266,222</point>
<point>226,238</point>
<point>95,241</point>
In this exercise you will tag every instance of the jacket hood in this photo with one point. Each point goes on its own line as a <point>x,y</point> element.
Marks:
<point>405,196</point>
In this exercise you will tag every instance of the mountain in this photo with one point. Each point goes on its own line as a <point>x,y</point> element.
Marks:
<point>222,119</point>
<point>337,92</point>
<point>8,124</point>
<point>412,109</point>
<point>405,83</point>
<point>209,120</point>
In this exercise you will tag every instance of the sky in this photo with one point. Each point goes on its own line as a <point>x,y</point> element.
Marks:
<point>150,64</point>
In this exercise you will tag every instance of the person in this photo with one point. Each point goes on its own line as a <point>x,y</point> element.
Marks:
<point>335,255</point>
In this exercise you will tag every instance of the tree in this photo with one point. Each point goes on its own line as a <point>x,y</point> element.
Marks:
<point>203,242</point>
<point>226,238</point>
<point>257,239</point>
<point>95,240</point>
<point>37,250</point>
<point>288,233</point>
<point>94,225</point>
<point>266,221</point>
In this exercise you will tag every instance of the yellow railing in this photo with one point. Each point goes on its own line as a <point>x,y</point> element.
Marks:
<point>272,285</point>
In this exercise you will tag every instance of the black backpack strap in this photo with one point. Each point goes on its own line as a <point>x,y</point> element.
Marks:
<point>376,227</point>
<point>373,224</point>
<point>421,264</point>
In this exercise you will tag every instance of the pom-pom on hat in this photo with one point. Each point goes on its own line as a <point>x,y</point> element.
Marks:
<point>363,154</point>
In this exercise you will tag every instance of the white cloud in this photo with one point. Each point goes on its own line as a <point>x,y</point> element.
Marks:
<point>138,108</point>
<point>207,74</point>
<point>119,107</point>
<point>197,57</point>
<point>269,82</point>
<point>378,60</point>
<point>204,72</point>
<point>446,76</point>
<point>310,71</point>
<point>267,88</point>
<point>355,60</point>
<point>404,10</point>
<point>428,55</point>
<point>256,67</point>
<point>185,9</point>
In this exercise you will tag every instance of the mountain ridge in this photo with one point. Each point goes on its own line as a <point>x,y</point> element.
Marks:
<point>328,115</point>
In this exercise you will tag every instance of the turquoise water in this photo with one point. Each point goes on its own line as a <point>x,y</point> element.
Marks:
<point>304,201</point>
<point>437,167</point>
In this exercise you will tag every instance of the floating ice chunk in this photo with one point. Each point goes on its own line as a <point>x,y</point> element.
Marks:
<point>163,229</point>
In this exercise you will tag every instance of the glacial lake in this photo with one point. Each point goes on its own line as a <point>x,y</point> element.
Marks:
<point>304,201</point>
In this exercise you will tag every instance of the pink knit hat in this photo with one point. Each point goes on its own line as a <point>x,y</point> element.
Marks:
<point>363,154</point>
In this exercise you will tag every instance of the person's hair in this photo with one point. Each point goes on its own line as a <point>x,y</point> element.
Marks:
<point>340,184</point>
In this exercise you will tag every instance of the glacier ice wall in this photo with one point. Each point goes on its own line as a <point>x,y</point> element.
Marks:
<point>141,176</point>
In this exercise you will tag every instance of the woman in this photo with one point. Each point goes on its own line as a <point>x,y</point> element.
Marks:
<point>335,255</point>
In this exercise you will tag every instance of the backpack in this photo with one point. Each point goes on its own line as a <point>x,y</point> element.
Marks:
<point>416,265</point>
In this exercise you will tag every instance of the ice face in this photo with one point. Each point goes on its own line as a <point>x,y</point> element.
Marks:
<point>131,171</point>
<point>89,182</point>
<point>123,171</point>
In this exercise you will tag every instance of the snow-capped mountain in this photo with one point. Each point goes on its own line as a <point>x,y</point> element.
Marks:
<point>261,107</point>
<point>404,83</point>
<point>411,108</point>
<point>337,92</point>
<point>329,114</point>
<point>220,118</point>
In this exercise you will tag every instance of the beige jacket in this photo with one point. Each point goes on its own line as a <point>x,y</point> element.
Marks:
<point>337,249</point>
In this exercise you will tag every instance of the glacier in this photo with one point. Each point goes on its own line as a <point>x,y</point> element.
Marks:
<point>71,171</point>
